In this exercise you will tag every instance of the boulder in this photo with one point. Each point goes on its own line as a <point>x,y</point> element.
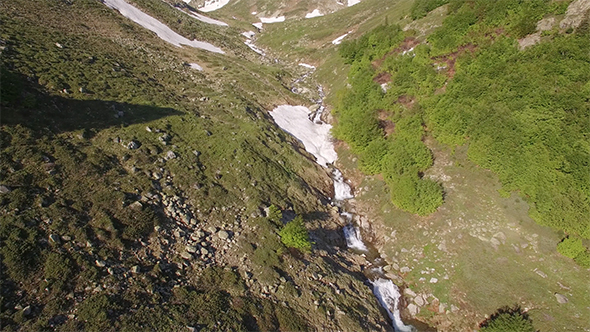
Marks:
<point>5,189</point>
<point>54,238</point>
<point>413,309</point>
<point>409,292</point>
<point>419,300</point>
<point>170,155</point>
<point>561,298</point>
<point>133,145</point>
<point>223,235</point>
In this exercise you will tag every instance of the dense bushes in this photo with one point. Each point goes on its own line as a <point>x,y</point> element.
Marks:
<point>401,157</point>
<point>573,248</point>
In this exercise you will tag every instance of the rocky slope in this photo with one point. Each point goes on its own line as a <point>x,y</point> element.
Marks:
<point>137,189</point>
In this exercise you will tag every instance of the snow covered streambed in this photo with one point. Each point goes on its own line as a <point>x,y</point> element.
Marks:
<point>163,31</point>
<point>315,136</point>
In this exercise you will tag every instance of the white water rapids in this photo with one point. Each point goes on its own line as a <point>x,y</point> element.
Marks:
<point>308,128</point>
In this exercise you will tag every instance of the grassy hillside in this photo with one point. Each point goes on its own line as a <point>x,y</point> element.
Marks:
<point>135,189</point>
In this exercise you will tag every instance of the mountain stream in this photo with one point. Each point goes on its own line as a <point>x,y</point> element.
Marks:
<point>308,128</point>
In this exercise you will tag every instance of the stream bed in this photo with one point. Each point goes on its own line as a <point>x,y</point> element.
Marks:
<point>308,128</point>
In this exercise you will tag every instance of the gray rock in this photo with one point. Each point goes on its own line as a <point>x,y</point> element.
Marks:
<point>405,269</point>
<point>541,273</point>
<point>133,145</point>
<point>454,308</point>
<point>148,129</point>
<point>27,310</point>
<point>135,269</point>
<point>419,300</point>
<point>409,292</point>
<point>500,236</point>
<point>191,249</point>
<point>196,153</point>
<point>5,189</point>
<point>54,238</point>
<point>136,205</point>
<point>433,280</point>
<point>186,255</point>
<point>495,242</point>
<point>100,263</point>
<point>170,155</point>
<point>413,309</point>
<point>561,298</point>
<point>223,235</point>
<point>66,238</point>
<point>442,308</point>
<point>204,251</point>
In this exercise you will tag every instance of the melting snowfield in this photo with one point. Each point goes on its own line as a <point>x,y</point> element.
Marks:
<point>163,31</point>
<point>315,137</point>
<point>196,66</point>
<point>212,5</point>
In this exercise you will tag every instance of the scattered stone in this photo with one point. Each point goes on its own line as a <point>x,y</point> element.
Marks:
<point>442,308</point>
<point>135,269</point>
<point>433,280</point>
<point>5,189</point>
<point>191,249</point>
<point>186,255</point>
<point>454,308</point>
<point>54,238</point>
<point>148,129</point>
<point>561,298</point>
<point>100,263</point>
<point>196,153</point>
<point>223,235</point>
<point>117,140</point>
<point>204,251</point>
<point>413,309</point>
<point>59,45</point>
<point>133,145</point>
<point>405,269</point>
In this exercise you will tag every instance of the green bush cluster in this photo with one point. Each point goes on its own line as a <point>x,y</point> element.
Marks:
<point>508,321</point>
<point>294,235</point>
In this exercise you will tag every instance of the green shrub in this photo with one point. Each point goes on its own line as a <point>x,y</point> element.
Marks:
<point>508,320</point>
<point>294,235</point>
<point>571,247</point>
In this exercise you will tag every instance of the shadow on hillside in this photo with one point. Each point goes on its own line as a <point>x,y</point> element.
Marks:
<point>26,103</point>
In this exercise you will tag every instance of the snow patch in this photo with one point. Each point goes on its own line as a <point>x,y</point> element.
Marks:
<point>338,40</point>
<point>353,2</point>
<point>248,34</point>
<point>204,18</point>
<point>315,137</point>
<point>314,13</point>
<point>196,66</point>
<point>211,5</point>
<point>258,25</point>
<point>163,31</point>
<point>306,65</point>
<point>253,47</point>
<point>388,295</point>
<point>272,19</point>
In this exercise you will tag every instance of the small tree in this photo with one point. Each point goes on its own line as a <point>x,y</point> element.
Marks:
<point>295,235</point>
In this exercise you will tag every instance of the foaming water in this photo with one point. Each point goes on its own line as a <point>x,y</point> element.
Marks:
<point>388,295</point>
<point>353,238</point>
